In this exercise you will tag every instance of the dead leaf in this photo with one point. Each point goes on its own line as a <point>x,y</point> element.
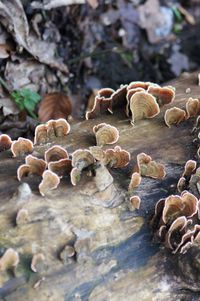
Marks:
<point>156,19</point>
<point>13,17</point>
<point>54,106</point>
<point>49,4</point>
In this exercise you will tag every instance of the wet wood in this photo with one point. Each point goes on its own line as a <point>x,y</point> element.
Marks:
<point>115,255</point>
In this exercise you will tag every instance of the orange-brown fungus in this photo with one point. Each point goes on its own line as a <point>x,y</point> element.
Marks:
<point>174,116</point>
<point>5,142</point>
<point>21,147</point>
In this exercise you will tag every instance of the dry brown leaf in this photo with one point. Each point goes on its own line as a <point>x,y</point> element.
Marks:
<point>13,17</point>
<point>54,106</point>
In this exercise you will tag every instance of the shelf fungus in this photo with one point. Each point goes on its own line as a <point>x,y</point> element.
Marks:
<point>143,105</point>
<point>163,95</point>
<point>105,134</point>
<point>55,153</point>
<point>50,181</point>
<point>32,166</point>
<point>135,202</point>
<point>21,147</point>
<point>62,167</point>
<point>184,181</point>
<point>37,263</point>
<point>22,217</point>
<point>148,168</point>
<point>75,176</point>
<point>67,254</point>
<point>192,107</point>
<point>53,128</point>
<point>175,221</point>
<point>5,142</point>
<point>174,116</point>
<point>9,260</point>
<point>117,157</point>
<point>135,181</point>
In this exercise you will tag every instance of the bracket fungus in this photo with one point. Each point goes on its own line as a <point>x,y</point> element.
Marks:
<point>67,254</point>
<point>75,176</point>
<point>184,181</point>
<point>192,107</point>
<point>53,128</point>
<point>32,166</point>
<point>10,259</point>
<point>61,168</point>
<point>55,153</point>
<point>105,134</point>
<point>21,146</point>
<point>163,95</point>
<point>148,168</point>
<point>135,202</point>
<point>174,116</point>
<point>143,105</point>
<point>117,157</point>
<point>190,166</point>
<point>135,181</point>
<point>174,219</point>
<point>50,181</point>
<point>5,142</point>
<point>82,158</point>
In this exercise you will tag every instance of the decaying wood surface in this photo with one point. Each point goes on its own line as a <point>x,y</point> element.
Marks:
<point>115,255</point>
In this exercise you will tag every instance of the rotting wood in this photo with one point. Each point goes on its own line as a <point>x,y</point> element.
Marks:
<point>115,257</point>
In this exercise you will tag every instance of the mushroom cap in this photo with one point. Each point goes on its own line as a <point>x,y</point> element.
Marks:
<point>138,84</point>
<point>75,176</point>
<point>10,259</point>
<point>190,166</point>
<point>5,142</point>
<point>55,153</point>
<point>41,134</point>
<point>61,167</point>
<point>21,147</point>
<point>105,134</point>
<point>102,103</point>
<point>135,201</point>
<point>82,158</point>
<point>163,95</point>
<point>61,127</point>
<point>128,98</point>
<point>118,98</point>
<point>143,105</point>
<point>190,203</point>
<point>135,181</point>
<point>117,157</point>
<point>149,168</point>
<point>181,184</point>
<point>174,116</point>
<point>178,225</point>
<point>50,181</point>
<point>37,260</point>
<point>192,107</point>
<point>33,166</point>
<point>22,217</point>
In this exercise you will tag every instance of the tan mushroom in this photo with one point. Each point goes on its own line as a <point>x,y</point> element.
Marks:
<point>138,84</point>
<point>163,95</point>
<point>98,153</point>
<point>174,116</point>
<point>22,217</point>
<point>181,185</point>
<point>10,259</point>
<point>149,168</point>
<point>143,105</point>
<point>55,153</point>
<point>21,147</point>
<point>192,107</point>
<point>82,158</point>
<point>118,99</point>
<point>117,157</point>
<point>103,103</point>
<point>61,127</point>
<point>32,166</point>
<point>135,201</point>
<point>178,225</point>
<point>135,181</point>
<point>75,176</point>
<point>128,98</point>
<point>37,263</point>
<point>105,134</point>
<point>5,142</point>
<point>190,166</point>
<point>61,168</point>
<point>49,182</point>
<point>41,134</point>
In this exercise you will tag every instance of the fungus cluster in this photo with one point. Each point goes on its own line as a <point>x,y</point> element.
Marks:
<point>176,221</point>
<point>138,99</point>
